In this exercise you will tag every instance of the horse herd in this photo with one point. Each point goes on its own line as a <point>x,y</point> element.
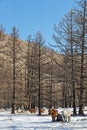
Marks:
<point>64,116</point>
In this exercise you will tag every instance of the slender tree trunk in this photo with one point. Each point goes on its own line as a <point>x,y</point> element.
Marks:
<point>13,98</point>
<point>81,100</point>
<point>72,68</point>
<point>39,72</point>
<point>14,37</point>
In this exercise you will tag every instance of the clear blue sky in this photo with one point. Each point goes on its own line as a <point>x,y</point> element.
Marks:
<point>30,16</point>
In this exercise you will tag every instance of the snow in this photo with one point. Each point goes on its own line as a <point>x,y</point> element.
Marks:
<point>28,121</point>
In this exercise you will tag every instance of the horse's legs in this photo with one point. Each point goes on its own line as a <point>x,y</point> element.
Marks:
<point>69,118</point>
<point>53,118</point>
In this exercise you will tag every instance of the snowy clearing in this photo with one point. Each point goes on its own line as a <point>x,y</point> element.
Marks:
<point>27,121</point>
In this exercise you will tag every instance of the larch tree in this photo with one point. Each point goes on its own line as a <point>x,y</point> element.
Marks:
<point>64,38</point>
<point>81,22</point>
<point>39,42</point>
<point>14,36</point>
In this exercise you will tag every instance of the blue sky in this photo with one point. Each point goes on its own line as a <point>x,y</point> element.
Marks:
<point>30,16</point>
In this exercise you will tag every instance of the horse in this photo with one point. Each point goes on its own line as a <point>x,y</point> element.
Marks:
<point>32,110</point>
<point>59,117</point>
<point>66,114</point>
<point>42,110</point>
<point>53,114</point>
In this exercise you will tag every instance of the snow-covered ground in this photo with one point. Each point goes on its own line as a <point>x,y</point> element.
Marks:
<point>27,121</point>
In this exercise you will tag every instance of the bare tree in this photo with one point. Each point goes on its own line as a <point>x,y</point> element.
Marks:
<point>2,30</point>
<point>64,37</point>
<point>39,42</point>
<point>82,43</point>
<point>14,40</point>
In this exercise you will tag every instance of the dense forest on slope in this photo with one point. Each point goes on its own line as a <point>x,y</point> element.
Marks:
<point>28,70</point>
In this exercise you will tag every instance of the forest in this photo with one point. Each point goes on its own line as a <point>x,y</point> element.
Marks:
<point>34,75</point>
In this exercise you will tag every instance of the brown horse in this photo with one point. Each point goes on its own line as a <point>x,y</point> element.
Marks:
<point>32,110</point>
<point>53,113</point>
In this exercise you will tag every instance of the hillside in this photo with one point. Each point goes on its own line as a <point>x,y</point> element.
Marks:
<point>28,74</point>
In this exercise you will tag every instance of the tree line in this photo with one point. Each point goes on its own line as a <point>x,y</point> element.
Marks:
<point>70,36</point>
<point>32,75</point>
